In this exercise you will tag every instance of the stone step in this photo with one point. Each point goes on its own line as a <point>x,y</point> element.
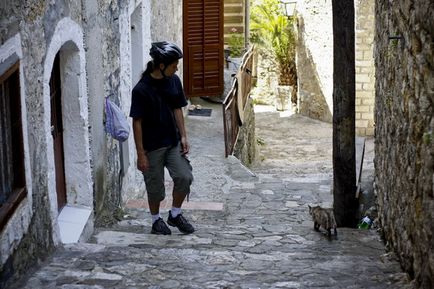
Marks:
<point>271,261</point>
<point>167,203</point>
<point>235,19</point>
<point>227,15</point>
<point>238,239</point>
<point>238,9</point>
<point>233,2</point>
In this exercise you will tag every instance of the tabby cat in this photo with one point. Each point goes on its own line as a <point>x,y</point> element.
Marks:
<point>323,217</point>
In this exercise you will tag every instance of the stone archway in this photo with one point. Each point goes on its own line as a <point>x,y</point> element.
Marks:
<point>67,41</point>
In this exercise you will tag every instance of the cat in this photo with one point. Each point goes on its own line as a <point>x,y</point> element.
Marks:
<point>323,217</point>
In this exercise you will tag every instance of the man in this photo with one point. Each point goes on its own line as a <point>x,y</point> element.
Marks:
<point>160,136</point>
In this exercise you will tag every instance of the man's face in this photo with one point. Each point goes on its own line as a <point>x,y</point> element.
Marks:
<point>171,69</point>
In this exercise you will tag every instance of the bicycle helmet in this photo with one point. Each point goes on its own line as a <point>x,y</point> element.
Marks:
<point>165,52</point>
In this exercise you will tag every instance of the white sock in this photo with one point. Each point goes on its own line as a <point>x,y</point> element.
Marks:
<point>175,212</point>
<point>155,217</point>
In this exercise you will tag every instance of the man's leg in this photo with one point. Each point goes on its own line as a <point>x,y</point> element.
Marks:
<point>154,179</point>
<point>178,199</point>
<point>154,207</point>
<point>181,172</point>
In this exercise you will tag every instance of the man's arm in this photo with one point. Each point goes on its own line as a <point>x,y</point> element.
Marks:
<point>142,159</point>
<point>179,117</point>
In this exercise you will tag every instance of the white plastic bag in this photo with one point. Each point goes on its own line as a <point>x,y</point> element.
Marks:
<point>116,123</point>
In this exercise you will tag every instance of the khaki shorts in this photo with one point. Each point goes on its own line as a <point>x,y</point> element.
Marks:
<point>179,169</point>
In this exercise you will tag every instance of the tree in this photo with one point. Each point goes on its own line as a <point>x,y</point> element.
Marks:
<point>274,32</point>
<point>344,156</point>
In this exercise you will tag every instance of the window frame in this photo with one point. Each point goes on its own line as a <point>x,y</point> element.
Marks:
<point>19,189</point>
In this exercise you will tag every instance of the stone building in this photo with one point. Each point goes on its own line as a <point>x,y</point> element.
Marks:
<point>404,143</point>
<point>315,62</point>
<point>60,171</point>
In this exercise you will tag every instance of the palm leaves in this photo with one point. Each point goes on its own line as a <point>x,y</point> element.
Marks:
<point>273,31</point>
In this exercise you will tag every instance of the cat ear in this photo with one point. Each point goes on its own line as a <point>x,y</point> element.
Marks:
<point>309,207</point>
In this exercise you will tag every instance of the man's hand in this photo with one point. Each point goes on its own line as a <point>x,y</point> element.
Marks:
<point>142,162</point>
<point>185,147</point>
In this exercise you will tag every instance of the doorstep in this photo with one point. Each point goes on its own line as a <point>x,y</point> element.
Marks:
<point>72,221</point>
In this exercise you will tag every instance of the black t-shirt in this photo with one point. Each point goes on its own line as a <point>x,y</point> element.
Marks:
<point>153,100</point>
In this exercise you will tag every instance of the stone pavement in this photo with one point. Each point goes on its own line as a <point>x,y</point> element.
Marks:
<point>253,226</point>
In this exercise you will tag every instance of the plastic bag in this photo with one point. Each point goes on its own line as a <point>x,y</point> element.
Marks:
<point>116,123</point>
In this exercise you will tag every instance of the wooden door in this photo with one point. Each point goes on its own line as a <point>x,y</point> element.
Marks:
<point>57,132</point>
<point>203,47</point>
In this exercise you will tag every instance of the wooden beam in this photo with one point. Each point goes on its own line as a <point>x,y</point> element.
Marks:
<point>344,160</point>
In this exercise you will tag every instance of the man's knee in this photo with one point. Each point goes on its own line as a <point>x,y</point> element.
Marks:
<point>182,183</point>
<point>157,195</point>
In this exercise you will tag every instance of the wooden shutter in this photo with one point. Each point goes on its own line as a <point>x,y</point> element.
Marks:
<point>203,47</point>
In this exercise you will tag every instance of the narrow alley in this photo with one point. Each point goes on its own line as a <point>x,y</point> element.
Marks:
<point>253,226</point>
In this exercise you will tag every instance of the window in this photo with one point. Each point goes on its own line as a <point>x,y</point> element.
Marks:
<point>12,172</point>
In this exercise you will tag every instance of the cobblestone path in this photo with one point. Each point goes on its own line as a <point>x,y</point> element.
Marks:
<point>260,237</point>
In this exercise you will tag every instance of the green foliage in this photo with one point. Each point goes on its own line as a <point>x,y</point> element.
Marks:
<point>427,138</point>
<point>273,31</point>
<point>236,43</point>
<point>258,101</point>
<point>260,141</point>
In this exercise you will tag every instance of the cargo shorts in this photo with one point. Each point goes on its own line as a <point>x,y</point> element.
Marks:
<point>179,169</point>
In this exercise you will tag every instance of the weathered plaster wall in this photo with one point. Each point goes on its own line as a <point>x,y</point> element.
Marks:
<point>96,60</point>
<point>102,34</point>
<point>34,233</point>
<point>82,31</point>
<point>314,59</point>
<point>67,42</point>
<point>167,24</point>
<point>315,62</point>
<point>114,67</point>
<point>404,140</point>
<point>10,52</point>
<point>133,58</point>
<point>365,70</point>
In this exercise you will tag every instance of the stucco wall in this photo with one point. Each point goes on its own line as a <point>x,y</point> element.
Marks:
<point>404,141</point>
<point>133,59</point>
<point>315,62</point>
<point>315,59</point>
<point>103,37</point>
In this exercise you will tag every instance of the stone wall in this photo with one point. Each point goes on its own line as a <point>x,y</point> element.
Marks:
<point>30,233</point>
<point>404,151</point>
<point>246,148</point>
<point>93,39</point>
<point>365,70</point>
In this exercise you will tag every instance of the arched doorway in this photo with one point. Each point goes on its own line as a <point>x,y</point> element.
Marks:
<point>69,176</point>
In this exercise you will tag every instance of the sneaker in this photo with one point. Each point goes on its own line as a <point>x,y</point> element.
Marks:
<point>160,228</point>
<point>181,223</point>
